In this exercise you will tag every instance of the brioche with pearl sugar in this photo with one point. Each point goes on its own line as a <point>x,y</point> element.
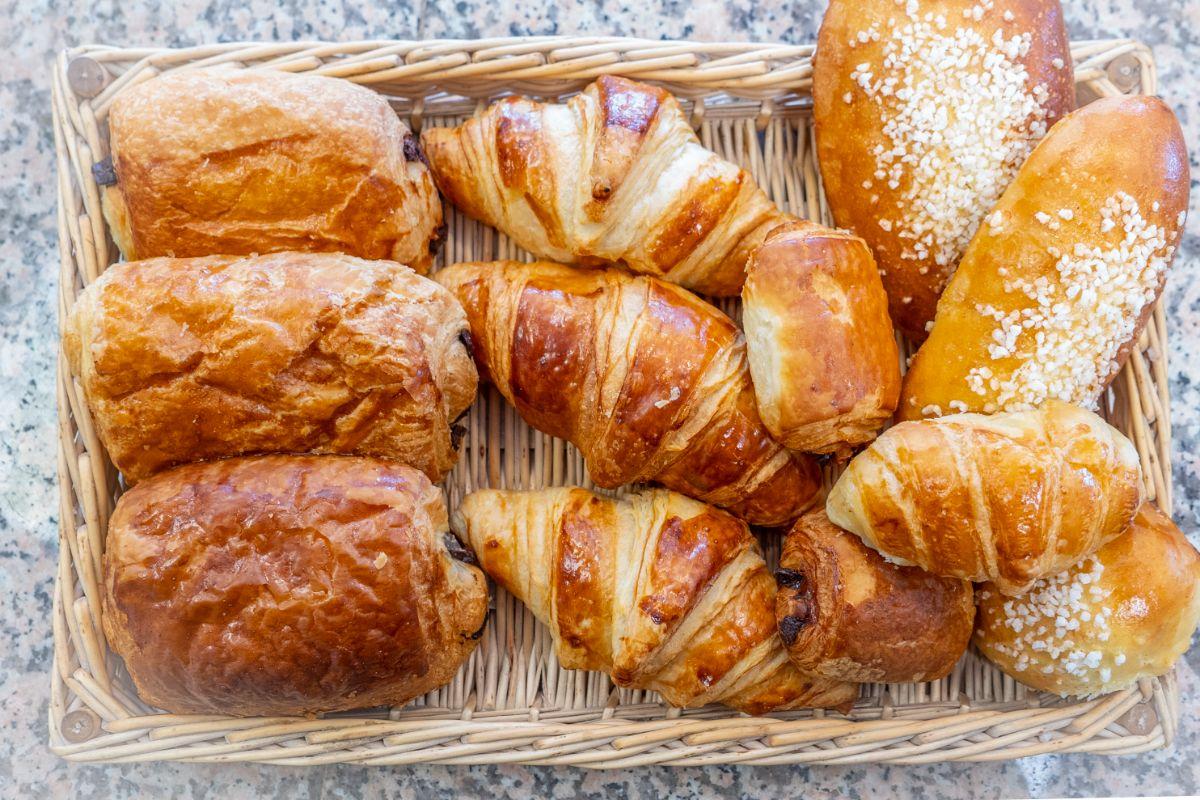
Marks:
<point>1009,498</point>
<point>1058,284</point>
<point>924,111</point>
<point>1123,613</point>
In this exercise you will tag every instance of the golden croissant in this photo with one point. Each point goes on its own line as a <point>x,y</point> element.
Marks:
<point>1008,498</point>
<point>647,380</point>
<point>614,176</point>
<point>658,590</point>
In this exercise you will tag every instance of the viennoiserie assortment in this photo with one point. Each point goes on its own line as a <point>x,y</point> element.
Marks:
<point>282,388</point>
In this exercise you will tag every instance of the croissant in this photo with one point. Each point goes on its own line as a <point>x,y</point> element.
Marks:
<point>614,176</point>
<point>924,111</point>
<point>845,613</point>
<point>646,379</point>
<point>1126,612</point>
<point>658,590</point>
<point>1008,498</point>
<point>1058,285</point>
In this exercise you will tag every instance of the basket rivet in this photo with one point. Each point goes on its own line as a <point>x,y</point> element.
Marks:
<point>86,77</point>
<point>80,725</point>
<point>1125,72</point>
<point>1139,720</point>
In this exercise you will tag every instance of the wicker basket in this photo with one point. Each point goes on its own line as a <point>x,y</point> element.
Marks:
<point>512,702</point>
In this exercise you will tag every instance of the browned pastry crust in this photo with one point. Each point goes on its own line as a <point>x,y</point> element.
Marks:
<point>1125,613</point>
<point>614,176</point>
<point>646,379</point>
<point>924,111</point>
<point>1056,288</point>
<point>846,613</point>
<point>189,359</point>
<point>284,585</point>
<point>660,591</point>
<point>821,345</point>
<point>1008,498</point>
<point>221,161</point>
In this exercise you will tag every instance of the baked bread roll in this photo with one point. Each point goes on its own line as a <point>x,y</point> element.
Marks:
<point>286,585</point>
<point>1008,498</point>
<point>1057,286</point>
<point>615,175</point>
<point>1125,612</point>
<point>846,613</point>
<point>215,161</point>
<point>646,379</point>
<point>190,359</point>
<point>658,590</point>
<point>821,346</point>
<point>924,111</point>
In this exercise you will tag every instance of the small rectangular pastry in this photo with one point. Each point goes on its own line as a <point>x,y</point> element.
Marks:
<point>924,112</point>
<point>660,591</point>
<point>189,359</point>
<point>847,613</point>
<point>822,350</point>
<point>646,379</point>
<point>1058,284</point>
<point>1124,613</point>
<point>1007,498</point>
<point>218,161</point>
<point>288,585</point>
<point>615,175</point>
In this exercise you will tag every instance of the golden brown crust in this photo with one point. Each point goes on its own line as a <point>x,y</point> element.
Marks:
<point>188,359</point>
<point>284,585</point>
<point>614,176</point>
<point>1092,220</point>
<point>1125,613</point>
<point>845,613</point>
<point>921,121</point>
<point>1009,498</point>
<point>660,591</point>
<point>218,161</point>
<point>646,379</point>
<point>821,346</point>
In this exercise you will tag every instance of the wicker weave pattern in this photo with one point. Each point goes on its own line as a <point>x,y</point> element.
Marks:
<point>512,702</point>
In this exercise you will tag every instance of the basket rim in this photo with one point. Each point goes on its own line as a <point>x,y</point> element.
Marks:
<point>761,71</point>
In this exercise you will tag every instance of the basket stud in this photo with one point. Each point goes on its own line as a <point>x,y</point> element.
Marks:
<point>1140,719</point>
<point>80,725</point>
<point>86,77</point>
<point>1125,72</point>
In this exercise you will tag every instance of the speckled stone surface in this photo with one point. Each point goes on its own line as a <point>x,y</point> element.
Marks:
<point>32,31</point>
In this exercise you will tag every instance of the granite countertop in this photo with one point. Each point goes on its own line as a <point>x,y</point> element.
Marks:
<point>32,34</point>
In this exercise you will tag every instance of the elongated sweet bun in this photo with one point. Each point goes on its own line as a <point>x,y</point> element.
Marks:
<point>1057,286</point>
<point>213,161</point>
<point>1126,612</point>
<point>284,585</point>
<point>924,112</point>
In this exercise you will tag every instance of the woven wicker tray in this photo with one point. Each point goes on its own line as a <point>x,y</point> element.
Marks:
<point>512,702</point>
